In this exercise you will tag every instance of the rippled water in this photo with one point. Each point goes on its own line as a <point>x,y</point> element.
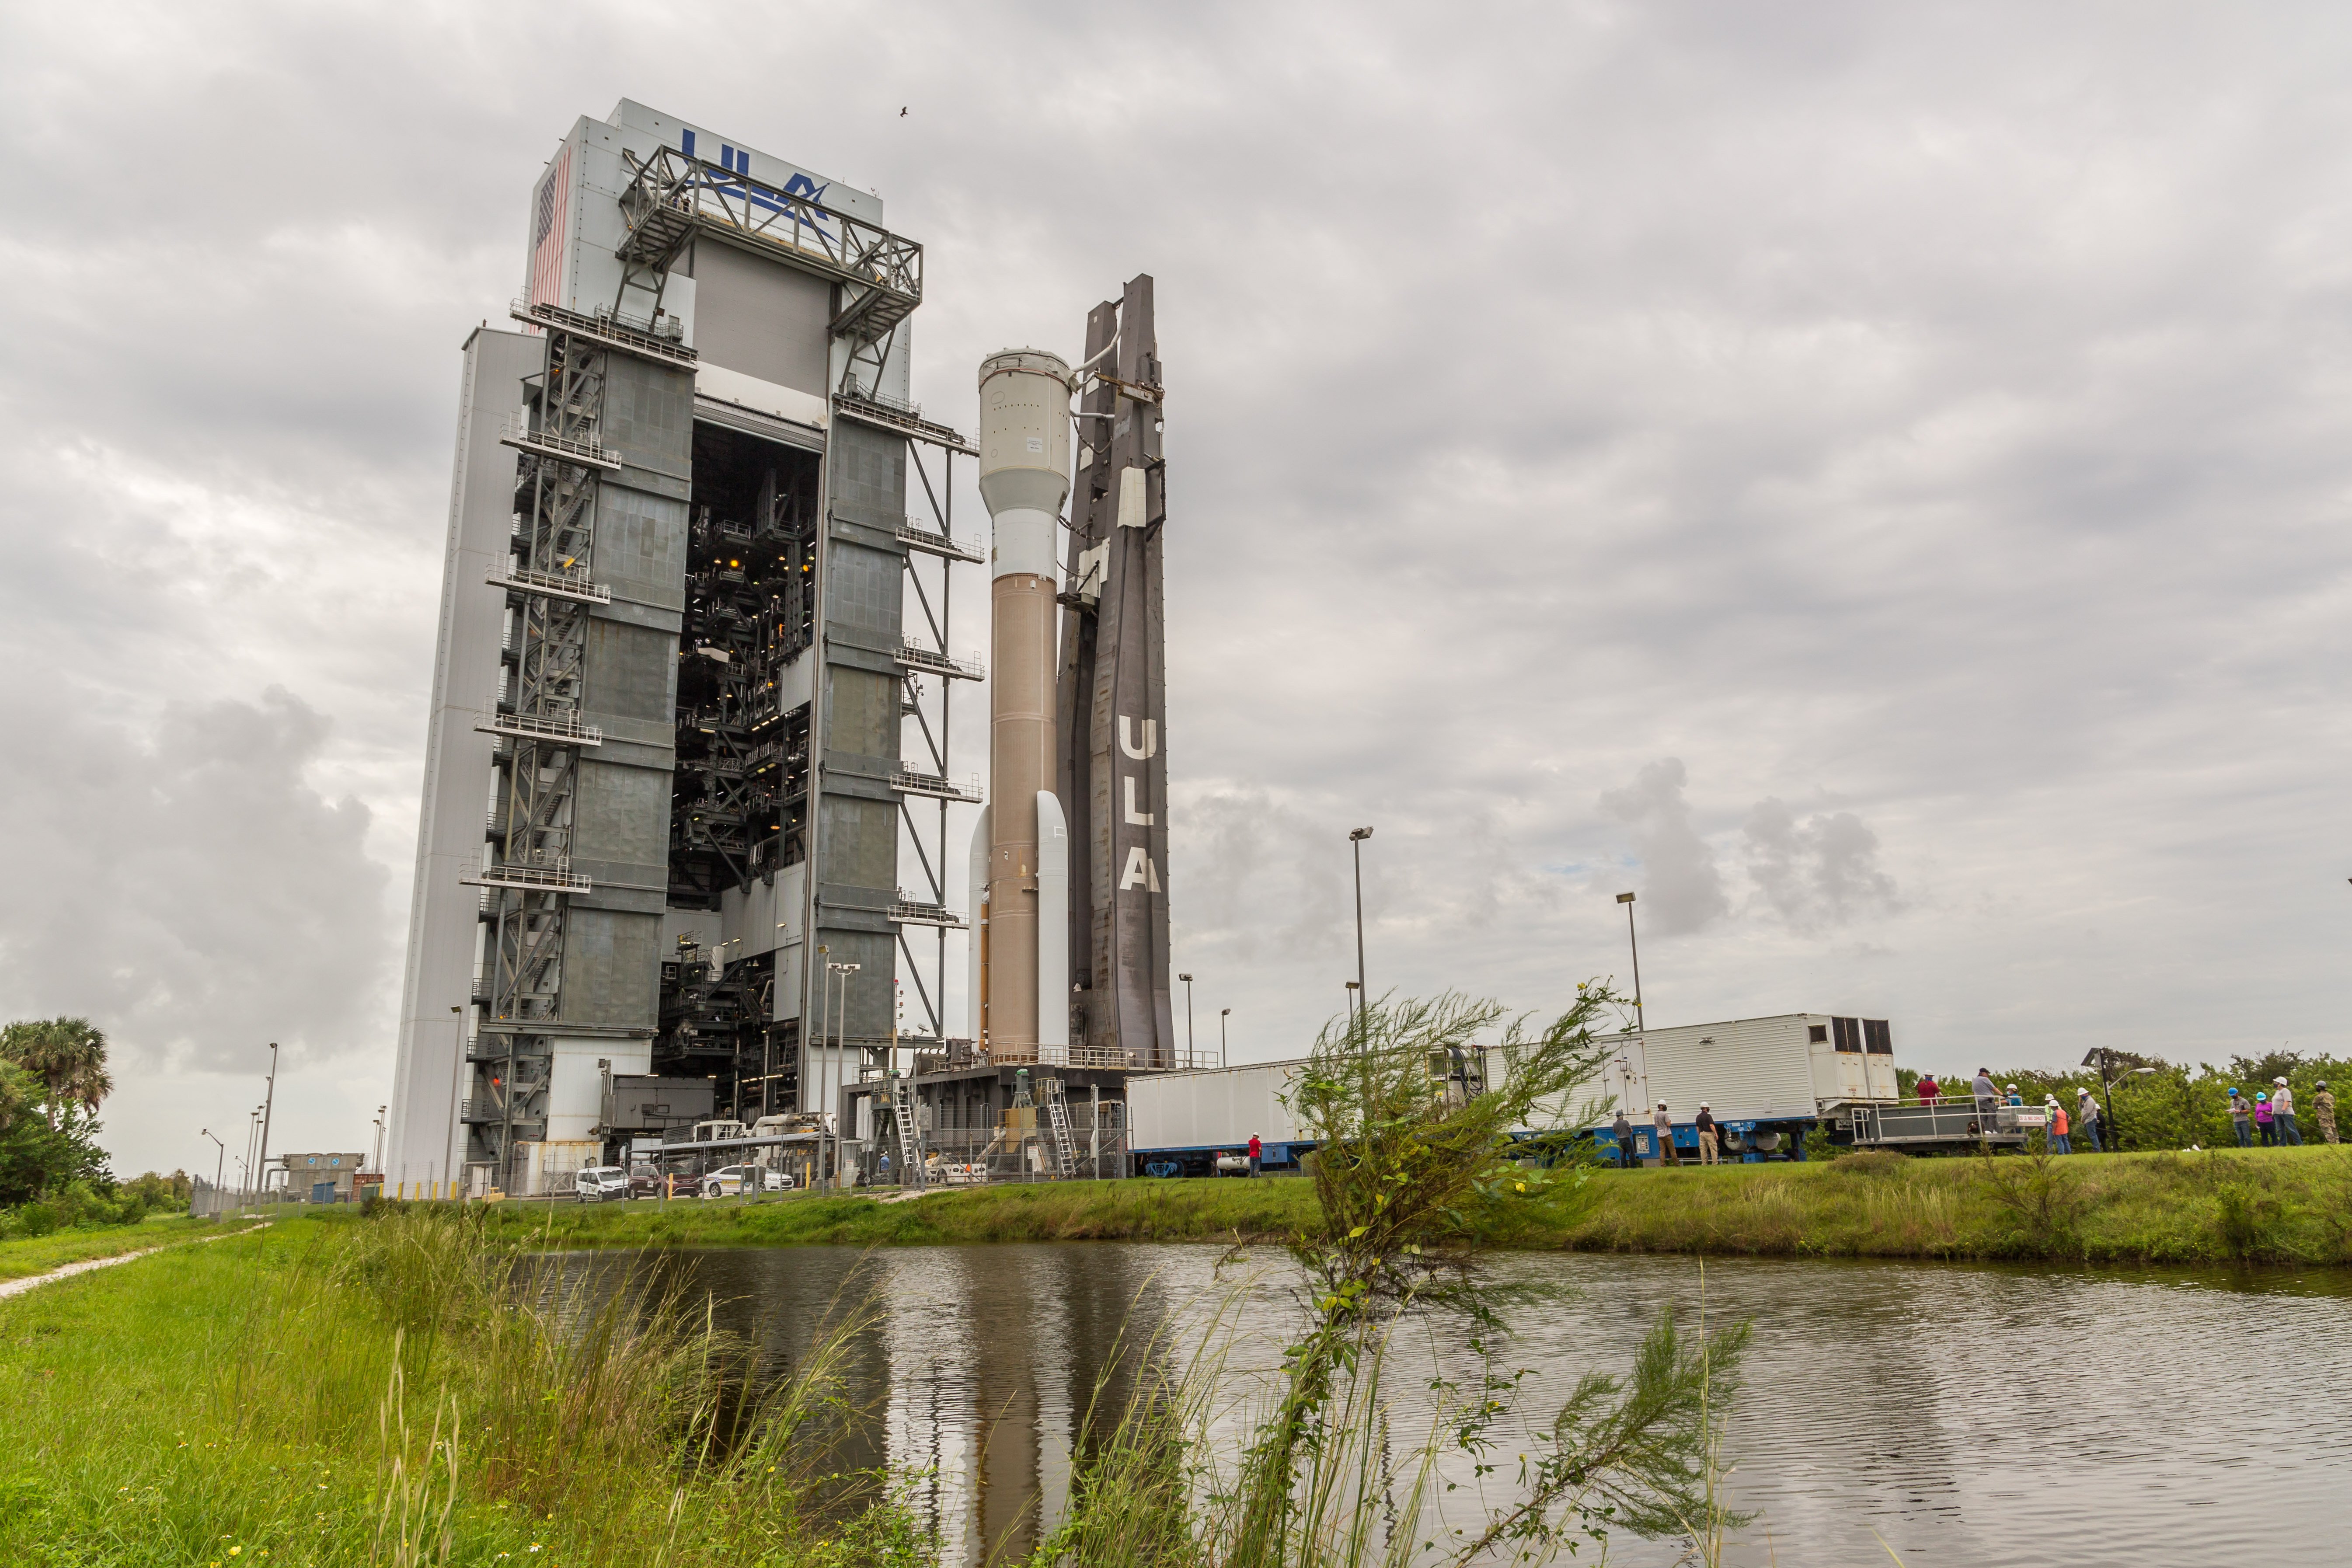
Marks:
<point>1967,1414</point>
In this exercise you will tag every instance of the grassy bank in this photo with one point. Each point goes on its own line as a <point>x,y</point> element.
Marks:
<point>2287,1205</point>
<point>25,1256</point>
<point>328,1394</point>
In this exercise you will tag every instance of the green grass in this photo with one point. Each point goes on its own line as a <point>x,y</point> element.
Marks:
<point>287,1397</point>
<point>1229,1210</point>
<point>2284,1206</point>
<point>25,1256</point>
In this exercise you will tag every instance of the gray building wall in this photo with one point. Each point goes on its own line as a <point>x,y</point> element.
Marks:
<point>756,317</point>
<point>443,931</point>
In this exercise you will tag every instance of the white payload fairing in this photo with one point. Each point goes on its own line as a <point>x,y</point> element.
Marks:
<point>1021,850</point>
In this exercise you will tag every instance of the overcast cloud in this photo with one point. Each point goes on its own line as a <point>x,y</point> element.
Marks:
<point>1872,479</point>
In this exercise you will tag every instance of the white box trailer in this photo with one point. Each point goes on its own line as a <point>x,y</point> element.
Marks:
<point>1791,1067</point>
<point>1766,1081</point>
<point>1180,1122</point>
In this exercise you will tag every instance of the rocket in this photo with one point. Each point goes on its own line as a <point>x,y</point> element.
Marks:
<point>1069,957</point>
<point>1021,849</point>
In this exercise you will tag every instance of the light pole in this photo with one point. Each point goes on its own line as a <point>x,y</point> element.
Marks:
<point>379,1138</point>
<point>1221,1035</point>
<point>1627,899</point>
<point>1189,1060</point>
<point>1355,995</point>
<point>269,1103</point>
<point>1356,837</point>
<point>252,1129</point>
<point>840,1048</point>
<point>220,1167</point>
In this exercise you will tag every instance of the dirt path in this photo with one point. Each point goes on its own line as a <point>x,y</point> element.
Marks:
<point>16,1287</point>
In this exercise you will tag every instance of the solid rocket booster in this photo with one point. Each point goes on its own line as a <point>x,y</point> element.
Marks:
<point>1024,477</point>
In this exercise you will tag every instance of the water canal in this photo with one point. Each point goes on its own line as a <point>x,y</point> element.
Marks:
<point>1968,1414</point>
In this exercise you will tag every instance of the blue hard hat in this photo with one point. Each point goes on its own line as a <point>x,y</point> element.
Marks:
<point>2261,1097</point>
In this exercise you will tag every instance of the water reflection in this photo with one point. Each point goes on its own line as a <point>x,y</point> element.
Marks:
<point>1969,1415</point>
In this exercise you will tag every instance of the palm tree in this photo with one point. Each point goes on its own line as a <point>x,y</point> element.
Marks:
<point>67,1055</point>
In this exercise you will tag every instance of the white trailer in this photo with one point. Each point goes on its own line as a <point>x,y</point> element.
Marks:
<point>1790,1066</point>
<point>1179,1122</point>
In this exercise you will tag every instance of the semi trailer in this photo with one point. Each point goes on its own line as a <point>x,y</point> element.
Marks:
<point>1767,1082</point>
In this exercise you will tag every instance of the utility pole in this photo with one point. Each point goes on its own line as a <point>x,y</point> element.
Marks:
<point>1221,1035</point>
<point>1627,899</point>
<point>1355,837</point>
<point>269,1103</point>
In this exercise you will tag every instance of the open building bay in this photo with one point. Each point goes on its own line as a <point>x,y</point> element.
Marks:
<point>1969,1415</point>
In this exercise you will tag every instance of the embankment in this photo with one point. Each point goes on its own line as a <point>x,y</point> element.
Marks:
<point>2286,1206</point>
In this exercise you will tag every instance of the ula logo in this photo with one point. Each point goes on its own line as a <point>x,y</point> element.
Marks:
<point>737,162</point>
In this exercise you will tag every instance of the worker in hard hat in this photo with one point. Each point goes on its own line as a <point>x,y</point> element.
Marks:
<point>1665,1126</point>
<point>2283,1113</point>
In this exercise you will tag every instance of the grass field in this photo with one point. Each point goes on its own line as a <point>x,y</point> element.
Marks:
<point>22,1257</point>
<point>2286,1206</point>
<point>327,1394</point>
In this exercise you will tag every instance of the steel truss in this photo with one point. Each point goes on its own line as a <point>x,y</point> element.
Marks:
<point>927,781</point>
<point>672,196</point>
<point>550,592</point>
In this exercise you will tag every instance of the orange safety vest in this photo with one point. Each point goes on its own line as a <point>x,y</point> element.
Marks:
<point>2059,1121</point>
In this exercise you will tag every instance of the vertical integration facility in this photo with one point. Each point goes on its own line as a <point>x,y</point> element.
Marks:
<point>667,796</point>
<point>685,827</point>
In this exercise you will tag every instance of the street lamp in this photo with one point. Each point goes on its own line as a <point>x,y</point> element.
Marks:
<point>269,1103</point>
<point>1356,837</point>
<point>840,1047</point>
<point>379,1138</point>
<point>220,1166</point>
<point>1627,899</point>
<point>1188,1059</point>
<point>1221,1035</point>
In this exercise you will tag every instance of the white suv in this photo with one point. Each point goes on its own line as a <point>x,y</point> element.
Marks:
<point>598,1183</point>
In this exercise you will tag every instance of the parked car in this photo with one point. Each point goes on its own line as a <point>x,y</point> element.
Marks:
<point>596,1184</point>
<point>732,1181</point>
<point>645,1181</point>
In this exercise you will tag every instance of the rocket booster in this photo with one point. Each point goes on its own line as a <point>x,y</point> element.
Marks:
<point>1022,970</point>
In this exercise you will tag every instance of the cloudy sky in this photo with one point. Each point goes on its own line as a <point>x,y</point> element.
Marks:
<point>1874,479</point>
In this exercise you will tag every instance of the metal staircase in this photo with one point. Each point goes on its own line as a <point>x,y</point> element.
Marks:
<point>1061,1144</point>
<point>910,1134</point>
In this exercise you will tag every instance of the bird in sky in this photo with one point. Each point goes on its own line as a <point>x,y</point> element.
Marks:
<point>902,113</point>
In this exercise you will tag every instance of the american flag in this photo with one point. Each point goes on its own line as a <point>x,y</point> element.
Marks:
<point>547,232</point>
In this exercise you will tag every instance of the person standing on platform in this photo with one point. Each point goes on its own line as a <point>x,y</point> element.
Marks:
<point>1929,1089</point>
<point>1987,1096</point>
<point>1708,1154</point>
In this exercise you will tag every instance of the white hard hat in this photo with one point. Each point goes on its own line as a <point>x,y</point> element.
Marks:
<point>2278,1080</point>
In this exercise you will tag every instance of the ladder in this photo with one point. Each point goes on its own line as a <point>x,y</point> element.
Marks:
<point>1060,1143</point>
<point>911,1135</point>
